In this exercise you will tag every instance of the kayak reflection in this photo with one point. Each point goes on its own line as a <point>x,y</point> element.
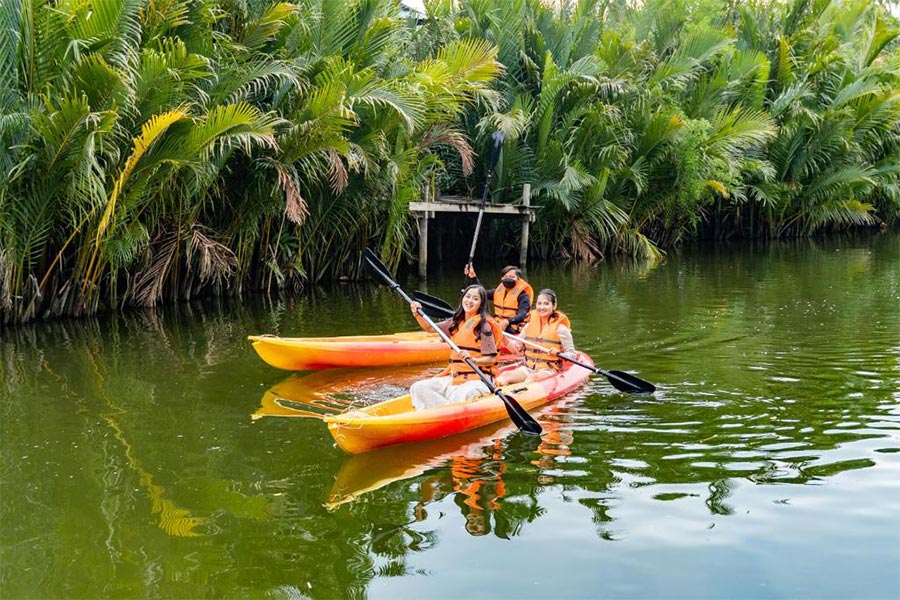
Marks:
<point>471,467</point>
<point>316,394</point>
<point>362,473</point>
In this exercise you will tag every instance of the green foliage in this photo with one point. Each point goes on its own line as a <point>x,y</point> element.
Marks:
<point>752,119</point>
<point>160,150</point>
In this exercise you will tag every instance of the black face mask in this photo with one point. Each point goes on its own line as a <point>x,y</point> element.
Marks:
<point>509,283</point>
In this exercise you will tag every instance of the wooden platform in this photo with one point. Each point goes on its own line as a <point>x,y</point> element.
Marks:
<point>460,204</point>
<point>426,210</point>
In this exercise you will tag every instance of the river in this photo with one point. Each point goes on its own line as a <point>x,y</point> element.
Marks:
<point>152,454</point>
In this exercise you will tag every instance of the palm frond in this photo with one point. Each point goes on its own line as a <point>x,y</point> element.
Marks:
<point>263,29</point>
<point>734,132</point>
<point>839,212</point>
<point>231,126</point>
<point>216,261</point>
<point>151,131</point>
<point>452,137</point>
<point>10,24</point>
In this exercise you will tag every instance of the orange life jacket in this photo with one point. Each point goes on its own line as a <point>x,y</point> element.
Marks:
<point>546,334</point>
<point>506,301</point>
<point>465,339</point>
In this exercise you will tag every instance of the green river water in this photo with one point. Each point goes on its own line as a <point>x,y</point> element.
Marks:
<point>154,455</point>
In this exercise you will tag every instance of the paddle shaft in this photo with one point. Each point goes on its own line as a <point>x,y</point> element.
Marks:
<point>487,184</point>
<point>545,349</point>
<point>620,380</point>
<point>495,151</point>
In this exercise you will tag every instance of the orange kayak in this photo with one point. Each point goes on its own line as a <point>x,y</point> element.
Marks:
<point>396,422</point>
<point>302,354</point>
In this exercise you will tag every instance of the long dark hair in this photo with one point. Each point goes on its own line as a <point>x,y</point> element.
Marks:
<point>552,295</point>
<point>460,315</point>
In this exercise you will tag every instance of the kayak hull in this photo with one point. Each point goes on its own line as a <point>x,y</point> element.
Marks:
<point>396,422</point>
<point>397,349</point>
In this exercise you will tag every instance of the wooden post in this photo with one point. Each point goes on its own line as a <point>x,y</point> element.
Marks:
<point>523,244</point>
<point>422,225</point>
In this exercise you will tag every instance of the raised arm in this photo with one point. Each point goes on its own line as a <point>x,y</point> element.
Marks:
<point>471,277</point>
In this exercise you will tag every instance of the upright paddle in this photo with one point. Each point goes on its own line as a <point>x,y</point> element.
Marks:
<point>519,415</point>
<point>622,381</point>
<point>498,137</point>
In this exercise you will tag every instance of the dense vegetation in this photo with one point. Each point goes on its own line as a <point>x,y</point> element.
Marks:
<point>159,149</point>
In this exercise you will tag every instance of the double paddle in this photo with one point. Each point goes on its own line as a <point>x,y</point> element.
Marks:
<point>519,415</point>
<point>620,380</point>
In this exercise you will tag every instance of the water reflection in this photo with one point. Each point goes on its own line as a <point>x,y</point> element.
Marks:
<point>315,394</point>
<point>130,467</point>
<point>469,468</point>
<point>363,473</point>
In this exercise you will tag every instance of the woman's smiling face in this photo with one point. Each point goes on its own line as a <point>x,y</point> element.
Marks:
<point>544,305</point>
<point>471,301</point>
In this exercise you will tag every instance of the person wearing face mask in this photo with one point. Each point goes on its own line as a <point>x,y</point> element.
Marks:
<point>477,336</point>
<point>512,298</point>
<point>550,328</point>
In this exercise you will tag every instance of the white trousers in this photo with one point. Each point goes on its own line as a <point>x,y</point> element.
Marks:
<point>439,391</point>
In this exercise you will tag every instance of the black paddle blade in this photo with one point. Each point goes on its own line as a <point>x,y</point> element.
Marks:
<point>497,138</point>
<point>440,302</point>
<point>378,268</point>
<point>626,382</point>
<point>519,415</point>
<point>434,307</point>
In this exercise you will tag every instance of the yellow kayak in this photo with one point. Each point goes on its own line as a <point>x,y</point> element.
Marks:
<point>302,354</point>
<point>396,422</point>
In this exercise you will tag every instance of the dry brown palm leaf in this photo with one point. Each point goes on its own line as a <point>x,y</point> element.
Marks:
<point>584,246</point>
<point>337,172</point>
<point>456,140</point>
<point>149,283</point>
<point>216,260</point>
<point>295,208</point>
